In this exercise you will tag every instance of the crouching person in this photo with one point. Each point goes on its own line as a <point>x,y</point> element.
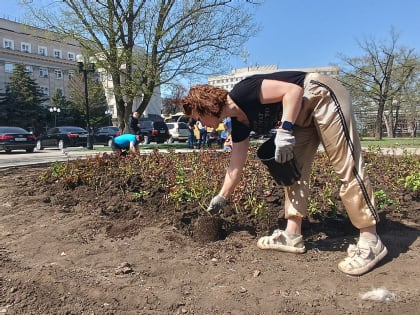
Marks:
<point>126,143</point>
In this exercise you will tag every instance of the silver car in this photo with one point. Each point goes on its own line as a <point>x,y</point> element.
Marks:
<point>178,131</point>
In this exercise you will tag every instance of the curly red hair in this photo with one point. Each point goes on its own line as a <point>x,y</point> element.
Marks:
<point>204,100</point>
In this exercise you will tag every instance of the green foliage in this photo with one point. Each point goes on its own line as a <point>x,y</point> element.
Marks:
<point>382,200</point>
<point>192,179</point>
<point>96,98</point>
<point>412,182</point>
<point>21,104</point>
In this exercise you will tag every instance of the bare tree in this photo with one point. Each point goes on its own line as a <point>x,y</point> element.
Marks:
<point>144,44</point>
<point>379,79</point>
<point>170,103</point>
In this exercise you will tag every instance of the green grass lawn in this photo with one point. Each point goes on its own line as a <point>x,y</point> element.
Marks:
<point>392,142</point>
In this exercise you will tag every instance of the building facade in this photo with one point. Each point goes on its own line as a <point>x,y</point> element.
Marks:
<point>227,81</point>
<point>51,61</point>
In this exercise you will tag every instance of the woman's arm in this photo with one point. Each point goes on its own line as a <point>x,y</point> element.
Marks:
<point>237,162</point>
<point>289,94</point>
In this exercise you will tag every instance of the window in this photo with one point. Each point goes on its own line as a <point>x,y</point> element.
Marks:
<point>71,56</point>
<point>57,53</point>
<point>58,74</point>
<point>45,90</point>
<point>8,67</point>
<point>42,51</point>
<point>71,74</point>
<point>29,69</point>
<point>43,72</point>
<point>25,47</point>
<point>8,44</point>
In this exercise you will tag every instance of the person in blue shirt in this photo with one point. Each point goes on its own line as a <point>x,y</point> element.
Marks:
<point>126,143</point>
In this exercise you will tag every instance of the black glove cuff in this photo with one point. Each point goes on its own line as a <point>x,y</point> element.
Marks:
<point>286,125</point>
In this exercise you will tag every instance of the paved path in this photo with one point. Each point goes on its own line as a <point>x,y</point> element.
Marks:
<point>20,158</point>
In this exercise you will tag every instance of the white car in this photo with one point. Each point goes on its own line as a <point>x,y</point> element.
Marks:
<point>178,131</point>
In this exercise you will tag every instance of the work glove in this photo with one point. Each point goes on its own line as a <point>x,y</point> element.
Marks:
<point>284,142</point>
<point>216,204</point>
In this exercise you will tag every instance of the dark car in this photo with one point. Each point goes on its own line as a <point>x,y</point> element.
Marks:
<point>154,131</point>
<point>15,138</point>
<point>62,137</point>
<point>104,135</point>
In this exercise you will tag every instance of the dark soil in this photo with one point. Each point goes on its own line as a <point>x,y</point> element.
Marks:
<point>90,250</point>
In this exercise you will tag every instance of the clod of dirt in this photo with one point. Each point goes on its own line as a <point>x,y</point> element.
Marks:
<point>208,229</point>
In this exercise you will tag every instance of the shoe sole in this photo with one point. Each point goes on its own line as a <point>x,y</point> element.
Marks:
<point>368,267</point>
<point>281,248</point>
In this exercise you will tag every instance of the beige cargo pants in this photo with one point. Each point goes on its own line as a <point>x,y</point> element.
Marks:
<point>327,117</point>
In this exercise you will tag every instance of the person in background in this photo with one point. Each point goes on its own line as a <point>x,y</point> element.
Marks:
<point>223,136</point>
<point>133,124</point>
<point>313,109</point>
<point>212,136</point>
<point>227,145</point>
<point>227,122</point>
<point>191,135</point>
<point>202,129</point>
<point>126,143</point>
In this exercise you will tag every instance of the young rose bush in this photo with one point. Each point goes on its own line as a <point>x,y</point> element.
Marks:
<point>192,179</point>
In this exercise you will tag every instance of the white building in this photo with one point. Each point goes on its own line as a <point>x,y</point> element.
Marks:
<point>227,81</point>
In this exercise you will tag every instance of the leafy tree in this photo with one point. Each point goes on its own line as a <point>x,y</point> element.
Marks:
<point>379,80</point>
<point>21,104</point>
<point>145,44</point>
<point>96,99</point>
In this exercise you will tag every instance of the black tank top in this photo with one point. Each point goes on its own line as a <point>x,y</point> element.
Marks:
<point>262,117</point>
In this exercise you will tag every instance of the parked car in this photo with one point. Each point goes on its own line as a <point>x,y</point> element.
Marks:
<point>154,131</point>
<point>104,135</point>
<point>62,137</point>
<point>15,138</point>
<point>178,131</point>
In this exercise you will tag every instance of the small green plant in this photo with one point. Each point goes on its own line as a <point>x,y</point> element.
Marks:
<point>313,207</point>
<point>412,182</point>
<point>329,200</point>
<point>140,195</point>
<point>382,200</point>
<point>58,169</point>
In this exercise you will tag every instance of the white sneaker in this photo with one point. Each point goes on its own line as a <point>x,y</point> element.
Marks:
<point>362,257</point>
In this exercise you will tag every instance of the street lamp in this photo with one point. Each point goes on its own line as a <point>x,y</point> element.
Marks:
<point>55,110</point>
<point>108,112</point>
<point>85,68</point>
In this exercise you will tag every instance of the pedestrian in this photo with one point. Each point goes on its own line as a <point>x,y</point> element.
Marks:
<point>227,122</point>
<point>191,135</point>
<point>223,136</point>
<point>126,143</point>
<point>212,136</point>
<point>313,109</point>
<point>227,145</point>
<point>133,124</point>
<point>202,129</point>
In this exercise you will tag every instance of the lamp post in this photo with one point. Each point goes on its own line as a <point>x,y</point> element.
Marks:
<point>85,68</point>
<point>108,112</point>
<point>55,110</point>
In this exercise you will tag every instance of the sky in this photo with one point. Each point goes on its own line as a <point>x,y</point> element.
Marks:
<point>307,33</point>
